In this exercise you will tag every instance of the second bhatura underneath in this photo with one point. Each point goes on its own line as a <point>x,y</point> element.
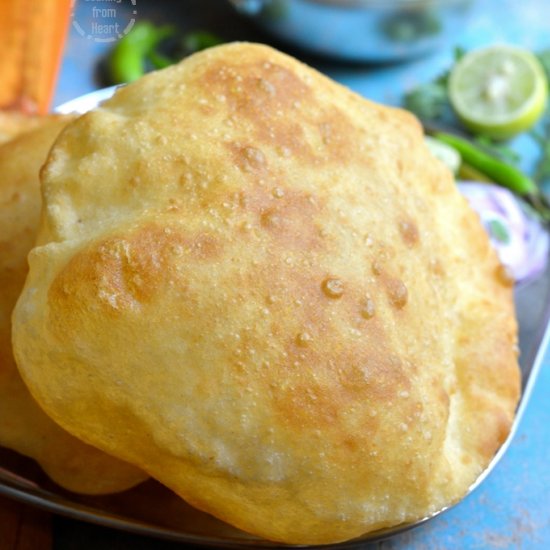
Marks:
<point>24,427</point>
<point>263,290</point>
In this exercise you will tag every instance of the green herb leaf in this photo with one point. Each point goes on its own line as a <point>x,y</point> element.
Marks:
<point>498,231</point>
<point>428,102</point>
<point>459,53</point>
<point>541,134</point>
<point>412,25</point>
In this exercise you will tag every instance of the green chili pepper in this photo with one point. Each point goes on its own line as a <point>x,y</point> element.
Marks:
<point>200,40</point>
<point>467,172</point>
<point>127,60</point>
<point>159,61</point>
<point>496,170</point>
<point>481,166</point>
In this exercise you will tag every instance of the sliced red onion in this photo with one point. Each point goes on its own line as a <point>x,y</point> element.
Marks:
<point>521,241</point>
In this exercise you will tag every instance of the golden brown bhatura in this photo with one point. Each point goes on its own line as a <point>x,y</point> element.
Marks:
<point>24,427</point>
<point>263,290</point>
<point>14,123</point>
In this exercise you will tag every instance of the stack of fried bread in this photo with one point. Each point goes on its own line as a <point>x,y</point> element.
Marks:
<point>24,427</point>
<point>263,291</point>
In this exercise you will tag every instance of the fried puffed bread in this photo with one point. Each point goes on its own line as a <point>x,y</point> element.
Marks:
<point>24,427</point>
<point>264,291</point>
<point>13,123</point>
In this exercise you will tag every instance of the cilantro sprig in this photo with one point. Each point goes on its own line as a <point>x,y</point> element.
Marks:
<point>430,101</point>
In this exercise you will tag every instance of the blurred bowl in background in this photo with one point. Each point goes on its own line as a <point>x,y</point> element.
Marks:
<point>361,30</point>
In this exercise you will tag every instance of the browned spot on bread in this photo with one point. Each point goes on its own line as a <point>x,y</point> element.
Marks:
<point>121,273</point>
<point>251,88</point>
<point>264,97</point>
<point>398,295</point>
<point>498,426</point>
<point>248,158</point>
<point>289,218</point>
<point>267,99</point>
<point>339,136</point>
<point>409,232</point>
<point>321,378</point>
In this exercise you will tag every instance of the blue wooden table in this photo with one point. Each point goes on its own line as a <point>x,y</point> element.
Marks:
<point>511,509</point>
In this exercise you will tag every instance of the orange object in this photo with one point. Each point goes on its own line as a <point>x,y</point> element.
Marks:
<point>33,35</point>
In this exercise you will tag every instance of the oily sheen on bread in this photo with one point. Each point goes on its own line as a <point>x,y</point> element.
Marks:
<point>24,427</point>
<point>265,292</point>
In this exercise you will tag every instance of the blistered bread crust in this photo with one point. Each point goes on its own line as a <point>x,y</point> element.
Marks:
<point>264,291</point>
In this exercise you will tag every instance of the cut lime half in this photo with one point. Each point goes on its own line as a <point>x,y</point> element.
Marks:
<point>498,91</point>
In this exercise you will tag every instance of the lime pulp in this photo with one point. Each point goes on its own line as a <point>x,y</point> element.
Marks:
<point>498,91</point>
